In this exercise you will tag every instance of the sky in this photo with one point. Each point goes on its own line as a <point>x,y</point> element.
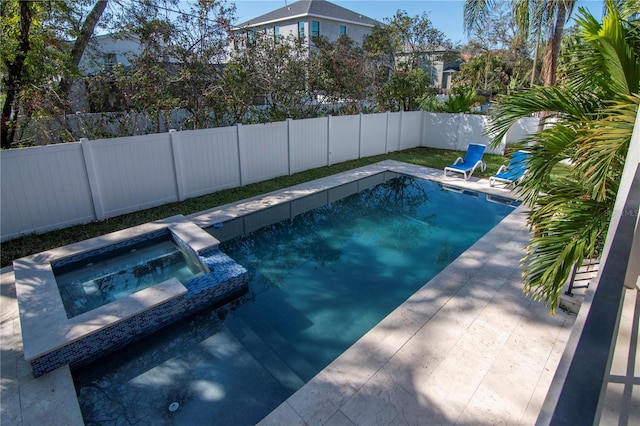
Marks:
<point>446,15</point>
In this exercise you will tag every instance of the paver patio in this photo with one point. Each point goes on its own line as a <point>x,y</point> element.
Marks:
<point>468,348</point>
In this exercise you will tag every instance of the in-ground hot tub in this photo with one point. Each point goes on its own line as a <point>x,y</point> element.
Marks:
<point>89,280</point>
<point>117,288</point>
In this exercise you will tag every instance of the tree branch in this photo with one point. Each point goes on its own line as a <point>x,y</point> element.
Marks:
<point>79,46</point>
<point>13,79</point>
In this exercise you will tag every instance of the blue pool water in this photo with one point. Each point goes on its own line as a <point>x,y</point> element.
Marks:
<point>324,270</point>
<point>102,277</point>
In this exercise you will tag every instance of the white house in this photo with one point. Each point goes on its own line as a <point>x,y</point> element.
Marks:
<point>102,53</point>
<point>107,50</point>
<point>303,19</point>
<point>441,63</point>
<point>308,18</point>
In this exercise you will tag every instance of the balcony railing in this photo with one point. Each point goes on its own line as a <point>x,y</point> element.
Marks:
<point>579,389</point>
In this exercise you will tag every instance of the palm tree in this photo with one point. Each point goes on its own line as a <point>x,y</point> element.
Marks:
<point>533,18</point>
<point>595,107</point>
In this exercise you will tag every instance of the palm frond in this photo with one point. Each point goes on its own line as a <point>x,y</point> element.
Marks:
<point>475,12</point>
<point>629,7</point>
<point>603,146</point>
<point>594,111</point>
<point>614,59</point>
<point>550,147</point>
<point>552,101</point>
<point>568,226</point>
<point>524,18</point>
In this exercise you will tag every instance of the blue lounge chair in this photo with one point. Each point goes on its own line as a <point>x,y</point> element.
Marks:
<point>514,171</point>
<point>472,159</point>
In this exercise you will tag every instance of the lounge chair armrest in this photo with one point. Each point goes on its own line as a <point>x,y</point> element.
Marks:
<point>501,169</point>
<point>458,160</point>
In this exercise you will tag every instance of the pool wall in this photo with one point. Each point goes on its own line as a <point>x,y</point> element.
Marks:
<point>226,280</point>
<point>52,340</point>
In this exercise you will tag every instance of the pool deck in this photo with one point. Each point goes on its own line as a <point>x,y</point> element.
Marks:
<point>468,348</point>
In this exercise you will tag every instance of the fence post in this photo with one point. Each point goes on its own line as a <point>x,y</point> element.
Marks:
<point>459,146</point>
<point>178,164</point>
<point>503,145</point>
<point>328,140</point>
<point>400,131</point>
<point>505,138</point>
<point>386,135</point>
<point>422,130</point>
<point>289,145</point>
<point>94,184</point>
<point>360,137</point>
<point>239,142</point>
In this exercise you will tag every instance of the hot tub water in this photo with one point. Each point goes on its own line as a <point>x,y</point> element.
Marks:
<point>103,278</point>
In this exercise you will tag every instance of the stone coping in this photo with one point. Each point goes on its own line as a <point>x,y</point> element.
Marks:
<point>45,326</point>
<point>234,210</point>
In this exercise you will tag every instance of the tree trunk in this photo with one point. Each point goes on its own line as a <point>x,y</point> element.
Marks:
<point>79,46</point>
<point>552,51</point>
<point>13,79</point>
<point>535,61</point>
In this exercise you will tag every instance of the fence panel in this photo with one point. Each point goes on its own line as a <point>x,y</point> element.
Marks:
<point>264,152</point>
<point>51,187</point>
<point>344,138</point>
<point>394,128</point>
<point>308,143</point>
<point>133,173</point>
<point>440,130</point>
<point>411,134</point>
<point>43,188</point>
<point>209,160</point>
<point>521,129</point>
<point>471,130</point>
<point>373,139</point>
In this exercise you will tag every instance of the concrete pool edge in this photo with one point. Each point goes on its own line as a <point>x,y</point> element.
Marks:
<point>225,212</point>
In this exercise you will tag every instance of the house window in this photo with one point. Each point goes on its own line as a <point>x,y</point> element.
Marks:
<point>315,28</point>
<point>110,60</point>
<point>301,29</point>
<point>343,30</point>
<point>251,37</point>
<point>276,32</point>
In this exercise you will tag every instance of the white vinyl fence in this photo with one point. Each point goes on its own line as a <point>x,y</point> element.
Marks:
<point>56,186</point>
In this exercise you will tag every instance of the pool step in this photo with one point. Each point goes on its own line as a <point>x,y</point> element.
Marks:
<point>269,360</point>
<point>289,354</point>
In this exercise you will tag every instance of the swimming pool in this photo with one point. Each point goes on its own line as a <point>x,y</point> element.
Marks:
<point>324,270</point>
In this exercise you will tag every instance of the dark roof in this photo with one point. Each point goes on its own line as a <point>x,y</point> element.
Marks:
<point>320,8</point>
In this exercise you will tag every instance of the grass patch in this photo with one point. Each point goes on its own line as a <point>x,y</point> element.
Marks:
<point>35,243</point>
